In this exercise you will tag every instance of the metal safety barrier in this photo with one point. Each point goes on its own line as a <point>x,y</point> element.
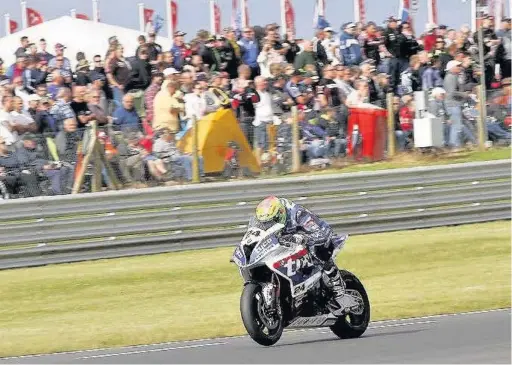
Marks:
<point>46,230</point>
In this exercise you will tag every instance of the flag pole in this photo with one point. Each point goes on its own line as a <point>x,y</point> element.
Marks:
<point>357,11</point>
<point>7,17</point>
<point>430,8</point>
<point>473,15</point>
<point>73,13</point>
<point>244,13</point>
<point>95,11</point>
<point>24,22</point>
<point>212,17</point>
<point>283,17</point>
<point>142,24</point>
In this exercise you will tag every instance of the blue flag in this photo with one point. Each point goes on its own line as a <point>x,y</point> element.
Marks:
<point>321,22</point>
<point>158,22</point>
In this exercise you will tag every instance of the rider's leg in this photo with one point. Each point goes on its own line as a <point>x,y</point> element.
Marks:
<point>332,277</point>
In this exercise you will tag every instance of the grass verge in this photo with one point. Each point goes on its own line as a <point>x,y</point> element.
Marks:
<point>189,295</point>
<point>411,159</point>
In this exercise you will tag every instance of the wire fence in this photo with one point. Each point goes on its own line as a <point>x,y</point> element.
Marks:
<point>39,164</point>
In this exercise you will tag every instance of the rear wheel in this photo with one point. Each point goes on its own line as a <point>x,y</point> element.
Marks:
<point>355,323</point>
<point>265,327</point>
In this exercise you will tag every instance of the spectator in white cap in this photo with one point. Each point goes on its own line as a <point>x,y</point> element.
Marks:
<point>455,98</point>
<point>331,46</point>
<point>170,73</point>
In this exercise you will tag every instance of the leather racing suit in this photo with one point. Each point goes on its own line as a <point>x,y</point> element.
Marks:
<point>319,236</point>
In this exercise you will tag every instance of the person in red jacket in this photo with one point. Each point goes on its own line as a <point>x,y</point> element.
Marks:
<point>430,37</point>
<point>407,115</point>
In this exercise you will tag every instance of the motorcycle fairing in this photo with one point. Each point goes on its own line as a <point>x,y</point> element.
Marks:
<point>296,267</point>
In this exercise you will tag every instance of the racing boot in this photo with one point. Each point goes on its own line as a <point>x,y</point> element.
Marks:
<point>333,280</point>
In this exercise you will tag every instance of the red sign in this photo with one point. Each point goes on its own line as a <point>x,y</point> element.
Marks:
<point>33,17</point>
<point>82,16</point>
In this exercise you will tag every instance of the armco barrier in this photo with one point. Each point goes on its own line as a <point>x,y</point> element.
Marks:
<point>45,230</point>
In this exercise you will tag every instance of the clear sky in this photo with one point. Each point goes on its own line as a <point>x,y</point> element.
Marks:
<point>194,14</point>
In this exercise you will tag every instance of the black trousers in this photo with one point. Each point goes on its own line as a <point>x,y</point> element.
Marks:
<point>505,69</point>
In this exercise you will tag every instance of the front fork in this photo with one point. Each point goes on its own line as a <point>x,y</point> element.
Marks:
<point>271,293</point>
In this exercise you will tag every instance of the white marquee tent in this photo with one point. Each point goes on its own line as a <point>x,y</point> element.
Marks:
<point>78,36</point>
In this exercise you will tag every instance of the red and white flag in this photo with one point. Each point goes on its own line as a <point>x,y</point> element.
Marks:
<point>432,11</point>
<point>82,16</point>
<point>217,22</point>
<point>33,17</point>
<point>215,18</point>
<point>13,26</point>
<point>288,15</point>
<point>148,16</point>
<point>360,11</point>
<point>173,16</point>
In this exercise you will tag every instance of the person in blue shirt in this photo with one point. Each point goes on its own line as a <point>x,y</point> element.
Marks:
<point>250,51</point>
<point>125,117</point>
<point>178,50</point>
<point>349,46</point>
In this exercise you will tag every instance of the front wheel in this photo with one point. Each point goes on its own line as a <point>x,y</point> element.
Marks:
<point>353,324</point>
<point>263,326</point>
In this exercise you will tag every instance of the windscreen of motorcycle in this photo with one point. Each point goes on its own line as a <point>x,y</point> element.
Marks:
<point>263,248</point>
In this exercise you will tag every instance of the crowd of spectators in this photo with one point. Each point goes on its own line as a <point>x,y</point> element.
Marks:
<point>144,103</point>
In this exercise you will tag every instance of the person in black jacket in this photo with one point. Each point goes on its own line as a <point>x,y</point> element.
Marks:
<point>153,49</point>
<point>403,48</point>
<point>229,55</point>
<point>320,53</point>
<point>490,46</point>
<point>211,55</point>
<point>82,75</point>
<point>140,77</point>
<point>293,48</point>
<point>99,68</point>
<point>392,42</point>
<point>372,43</point>
<point>334,128</point>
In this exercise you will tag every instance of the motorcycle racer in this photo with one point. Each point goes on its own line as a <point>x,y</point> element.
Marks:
<point>302,225</point>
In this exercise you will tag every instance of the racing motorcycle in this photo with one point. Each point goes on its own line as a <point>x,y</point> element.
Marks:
<point>285,287</point>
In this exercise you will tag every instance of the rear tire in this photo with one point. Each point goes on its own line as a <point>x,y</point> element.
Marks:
<point>353,325</point>
<point>252,319</point>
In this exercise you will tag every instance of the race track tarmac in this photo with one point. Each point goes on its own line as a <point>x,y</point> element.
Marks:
<point>478,337</point>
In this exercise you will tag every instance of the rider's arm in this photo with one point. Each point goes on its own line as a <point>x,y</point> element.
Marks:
<point>316,230</point>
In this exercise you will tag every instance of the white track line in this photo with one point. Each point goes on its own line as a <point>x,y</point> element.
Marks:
<point>225,343</point>
<point>177,343</point>
<point>153,350</point>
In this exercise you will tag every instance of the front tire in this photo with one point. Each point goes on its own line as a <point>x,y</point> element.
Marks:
<point>353,325</point>
<point>251,303</point>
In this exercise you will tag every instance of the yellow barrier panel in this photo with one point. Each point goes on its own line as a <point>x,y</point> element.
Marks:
<point>214,133</point>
